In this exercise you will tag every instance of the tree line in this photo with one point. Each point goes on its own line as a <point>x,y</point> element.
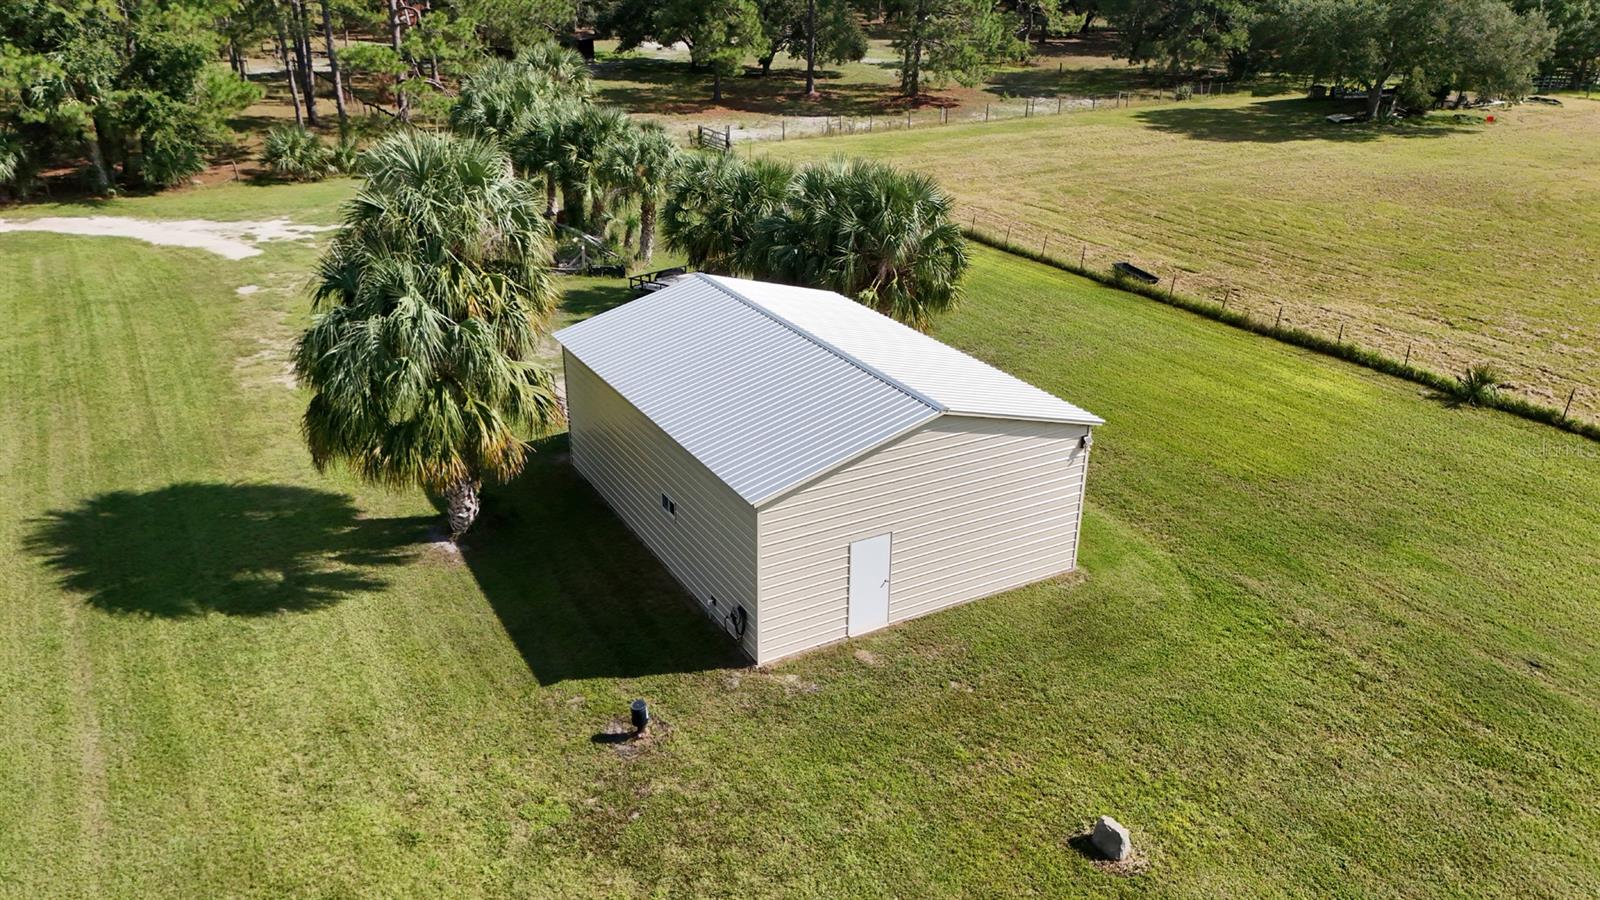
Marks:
<point>140,92</point>
<point>1420,48</point>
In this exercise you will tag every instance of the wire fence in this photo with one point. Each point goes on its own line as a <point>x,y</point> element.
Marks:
<point>783,128</point>
<point>1427,360</point>
<point>1562,402</point>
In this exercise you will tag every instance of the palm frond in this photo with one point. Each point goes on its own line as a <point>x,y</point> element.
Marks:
<point>431,300</point>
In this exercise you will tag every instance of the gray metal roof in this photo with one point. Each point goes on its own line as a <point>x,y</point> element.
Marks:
<point>770,385</point>
<point>944,375</point>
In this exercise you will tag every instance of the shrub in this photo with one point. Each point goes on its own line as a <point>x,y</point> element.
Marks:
<point>344,157</point>
<point>1413,94</point>
<point>15,172</point>
<point>1183,91</point>
<point>1479,385</point>
<point>292,152</point>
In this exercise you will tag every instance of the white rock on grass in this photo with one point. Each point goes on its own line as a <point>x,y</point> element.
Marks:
<point>1111,839</point>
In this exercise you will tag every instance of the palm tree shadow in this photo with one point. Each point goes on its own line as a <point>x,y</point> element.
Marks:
<point>575,590</point>
<point>237,549</point>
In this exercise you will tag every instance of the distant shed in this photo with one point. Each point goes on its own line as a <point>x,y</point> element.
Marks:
<point>811,470</point>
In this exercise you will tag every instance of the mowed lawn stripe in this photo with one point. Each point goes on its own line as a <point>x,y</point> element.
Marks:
<point>1329,636</point>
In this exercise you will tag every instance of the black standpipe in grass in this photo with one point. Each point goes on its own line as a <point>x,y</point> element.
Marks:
<point>1445,385</point>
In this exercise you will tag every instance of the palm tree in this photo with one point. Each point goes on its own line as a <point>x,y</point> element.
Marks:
<point>561,65</point>
<point>430,303</point>
<point>541,143</point>
<point>502,97</point>
<point>715,203</point>
<point>587,143</point>
<point>639,165</point>
<point>869,231</point>
<point>497,100</point>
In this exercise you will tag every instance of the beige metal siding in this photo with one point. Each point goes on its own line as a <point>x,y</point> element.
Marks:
<point>976,506</point>
<point>709,545</point>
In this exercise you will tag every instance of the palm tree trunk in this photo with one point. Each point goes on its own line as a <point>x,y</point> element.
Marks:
<point>461,506</point>
<point>572,203</point>
<point>550,196</point>
<point>333,66</point>
<point>597,212</point>
<point>647,228</point>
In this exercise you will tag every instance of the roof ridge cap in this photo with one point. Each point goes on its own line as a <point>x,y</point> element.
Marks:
<point>850,358</point>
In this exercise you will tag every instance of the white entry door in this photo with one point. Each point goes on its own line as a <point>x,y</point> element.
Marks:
<point>869,584</point>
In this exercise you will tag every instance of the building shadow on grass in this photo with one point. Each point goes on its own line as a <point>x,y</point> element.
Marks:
<point>1288,119</point>
<point>575,590</point>
<point>237,549</point>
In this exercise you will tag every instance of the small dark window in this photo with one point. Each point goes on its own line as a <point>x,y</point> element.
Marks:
<point>667,504</point>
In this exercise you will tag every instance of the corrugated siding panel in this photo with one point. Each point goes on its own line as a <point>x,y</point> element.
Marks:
<point>710,544</point>
<point>758,403</point>
<point>952,379</point>
<point>976,506</point>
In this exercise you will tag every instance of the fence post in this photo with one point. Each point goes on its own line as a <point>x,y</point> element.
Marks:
<point>1058,104</point>
<point>1093,102</point>
<point>783,129</point>
<point>1278,321</point>
<point>1570,395</point>
<point>869,123</point>
<point>1340,338</point>
<point>1044,246</point>
<point>1008,235</point>
<point>1082,257</point>
<point>986,112</point>
<point>908,120</point>
<point>1407,363</point>
<point>1173,286</point>
<point>727,137</point>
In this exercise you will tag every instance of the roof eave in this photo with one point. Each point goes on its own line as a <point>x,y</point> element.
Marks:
<point>1087,419</point>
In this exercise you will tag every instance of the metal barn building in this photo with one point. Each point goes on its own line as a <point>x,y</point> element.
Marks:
<point>812,470</point>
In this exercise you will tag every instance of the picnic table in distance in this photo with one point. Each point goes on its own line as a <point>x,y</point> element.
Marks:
<point>649,282</point>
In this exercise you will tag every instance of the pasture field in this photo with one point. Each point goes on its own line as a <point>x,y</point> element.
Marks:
<point>1466,242</point>
<point>1329,636</point>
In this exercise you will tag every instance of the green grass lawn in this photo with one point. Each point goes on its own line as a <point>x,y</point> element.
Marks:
<point>1466,242</point>
<point>1329,637</point>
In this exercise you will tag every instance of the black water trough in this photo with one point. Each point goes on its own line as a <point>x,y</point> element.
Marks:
<point>1129,270</point>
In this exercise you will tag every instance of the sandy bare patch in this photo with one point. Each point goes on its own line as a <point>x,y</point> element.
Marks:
<point>247,290</point>
<point>233,240</point>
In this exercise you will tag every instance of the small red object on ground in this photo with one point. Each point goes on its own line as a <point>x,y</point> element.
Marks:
<point>1490,119</point>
